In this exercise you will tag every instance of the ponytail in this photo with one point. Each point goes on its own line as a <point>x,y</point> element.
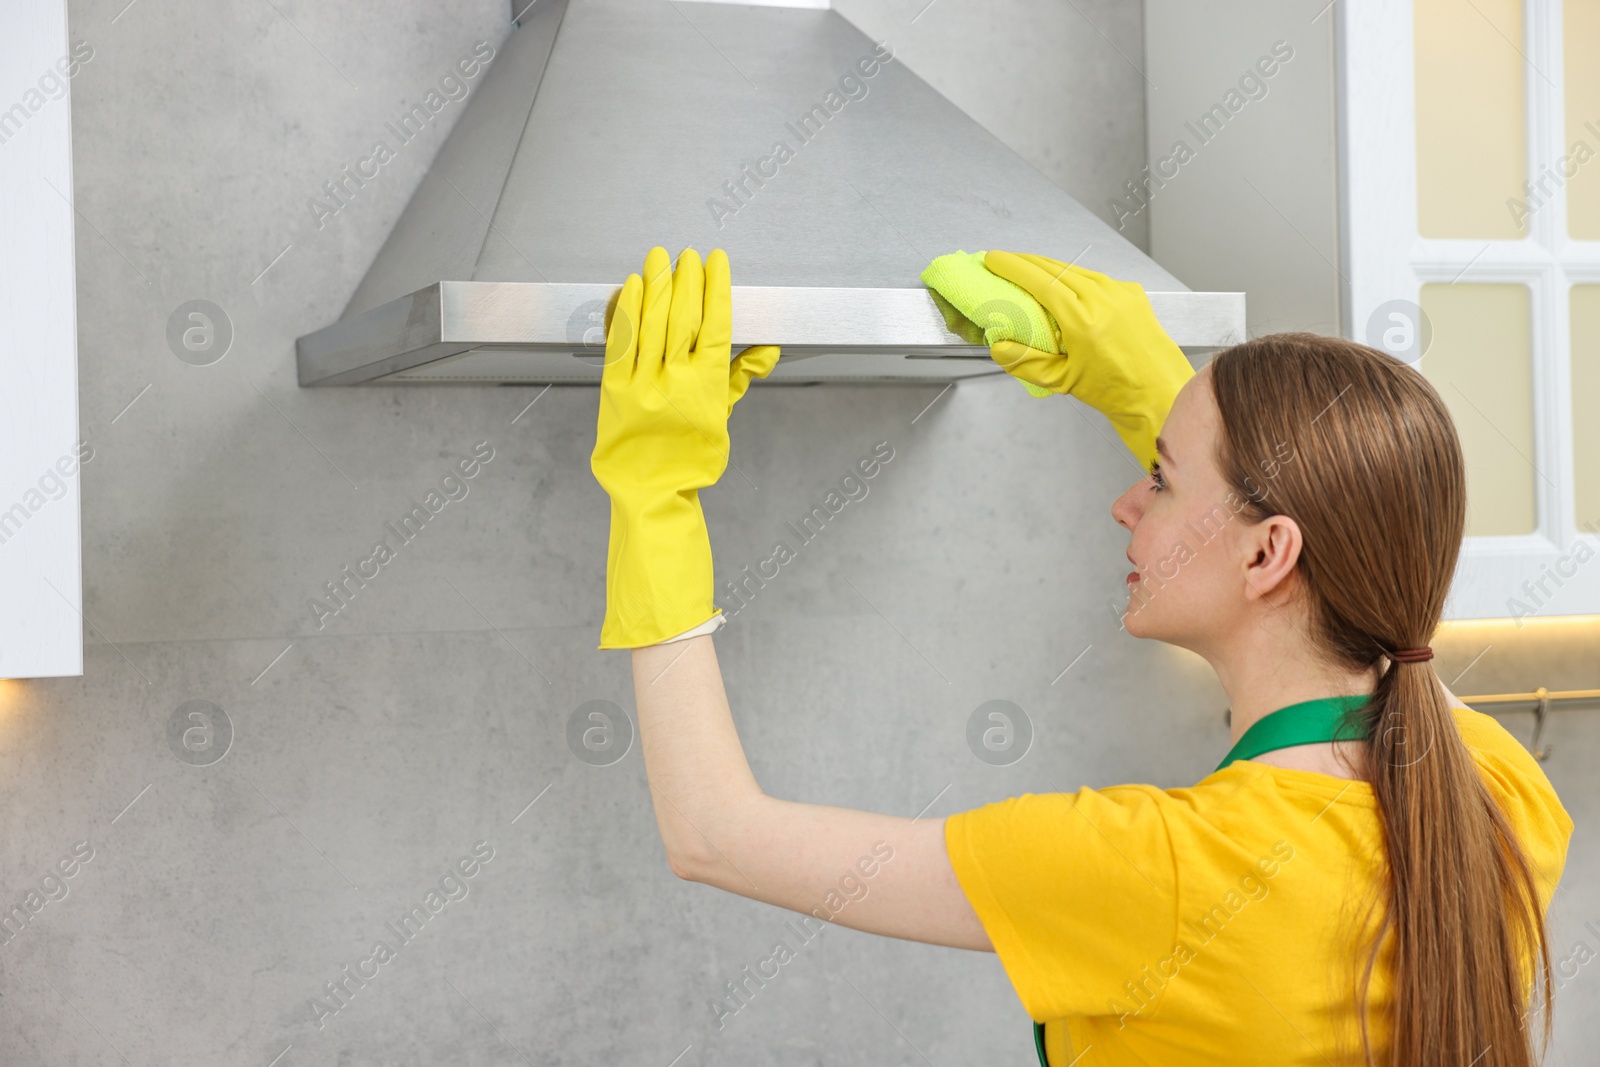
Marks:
<point>1463,908</point>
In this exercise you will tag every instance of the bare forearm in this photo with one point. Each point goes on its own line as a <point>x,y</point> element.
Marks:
<point>881,873</point>
<point>696,767</point>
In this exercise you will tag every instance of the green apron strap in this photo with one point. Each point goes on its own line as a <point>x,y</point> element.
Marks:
<point>1309,722</point>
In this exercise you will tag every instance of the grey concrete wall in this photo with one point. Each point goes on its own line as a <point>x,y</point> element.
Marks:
<point>247,848</point>
<point>1242,147</point>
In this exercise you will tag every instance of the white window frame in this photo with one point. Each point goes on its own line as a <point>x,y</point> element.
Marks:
<point>1386,259</point>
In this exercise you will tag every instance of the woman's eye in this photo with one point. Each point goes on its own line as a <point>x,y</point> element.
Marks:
<point>1158,483</point>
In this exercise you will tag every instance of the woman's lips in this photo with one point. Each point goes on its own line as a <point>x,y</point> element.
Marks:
<point>1133,576</point>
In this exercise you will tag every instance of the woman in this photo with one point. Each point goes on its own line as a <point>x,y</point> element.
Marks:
<point>1365,876</point>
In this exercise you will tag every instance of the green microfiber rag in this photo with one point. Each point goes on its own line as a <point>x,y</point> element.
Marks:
<point>1002,310</point>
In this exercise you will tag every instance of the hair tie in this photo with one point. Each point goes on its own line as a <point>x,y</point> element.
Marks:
<point>1411,655</point>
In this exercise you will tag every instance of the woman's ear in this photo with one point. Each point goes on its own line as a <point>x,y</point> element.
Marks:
<point>1270,550</point>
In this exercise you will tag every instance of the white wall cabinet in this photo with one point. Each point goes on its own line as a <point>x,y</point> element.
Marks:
<point>41,452</point>
<point>1471,229</point>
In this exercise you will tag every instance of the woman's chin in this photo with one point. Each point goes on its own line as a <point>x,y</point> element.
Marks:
<point>1136,621</point>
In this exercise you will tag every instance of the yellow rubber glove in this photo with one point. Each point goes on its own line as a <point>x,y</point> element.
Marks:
<point>1115,356</point>
<point>662,436</point>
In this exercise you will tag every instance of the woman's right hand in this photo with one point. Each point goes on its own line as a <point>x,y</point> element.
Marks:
<point>1115,356</point>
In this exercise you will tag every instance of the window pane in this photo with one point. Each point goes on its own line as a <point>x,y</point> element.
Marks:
<point>1471,163</point>
<point>1480,363</point>
<point>1585,398</point>
<point>1581,41</point>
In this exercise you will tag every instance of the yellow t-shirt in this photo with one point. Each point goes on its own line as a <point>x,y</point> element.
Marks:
<point>1215,924</point>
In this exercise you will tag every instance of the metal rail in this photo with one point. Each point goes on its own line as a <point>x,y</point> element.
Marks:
<point>1540,701</point>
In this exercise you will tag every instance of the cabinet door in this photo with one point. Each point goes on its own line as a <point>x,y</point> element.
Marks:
<point>1470,204</point>
<point>41,628</point>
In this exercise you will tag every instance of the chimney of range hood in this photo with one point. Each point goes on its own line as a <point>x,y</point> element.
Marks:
<point>828,171</point>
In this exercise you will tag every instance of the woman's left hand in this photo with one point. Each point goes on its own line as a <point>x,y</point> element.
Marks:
<point>1115,355</point>
<point>665,394</point>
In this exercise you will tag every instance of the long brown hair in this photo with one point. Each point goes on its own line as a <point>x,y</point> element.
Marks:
<point>1377,486</point>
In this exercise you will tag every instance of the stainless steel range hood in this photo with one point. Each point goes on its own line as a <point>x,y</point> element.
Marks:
<point>829,172</point>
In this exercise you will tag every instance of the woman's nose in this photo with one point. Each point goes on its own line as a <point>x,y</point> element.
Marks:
<point>1127,508</point>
